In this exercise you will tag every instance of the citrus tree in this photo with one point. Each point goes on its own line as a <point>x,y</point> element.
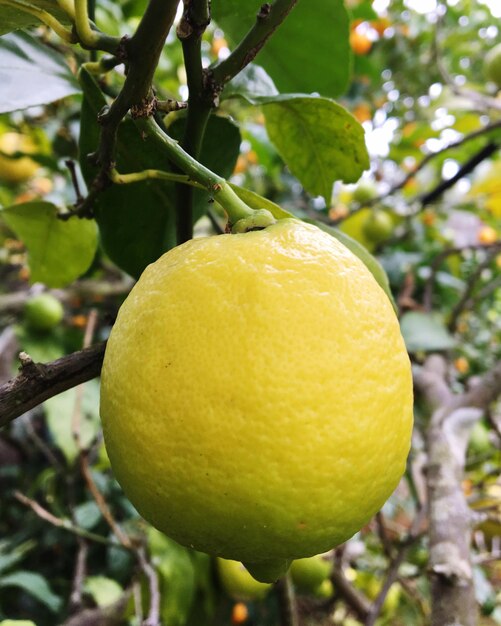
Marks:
<point>303,201</point>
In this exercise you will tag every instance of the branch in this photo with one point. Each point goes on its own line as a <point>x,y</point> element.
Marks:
<point>142,53</point>
<point>63,523</point>
<point>470,286</point>
<point>392,573</point>
<point>38,382</point>
<point>196,17</point>
<point>488,128</point>
<point>468,167</point>
<point>453,417</point>
<point>112,615</point>
<point>268,19</point>
<point>351,595</point>
<point>287,602</point>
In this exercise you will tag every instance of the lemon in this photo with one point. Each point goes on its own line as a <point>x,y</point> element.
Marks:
<point>238,583</point>
<point>364,191</point>
<point>16,170</point>
<point>257,396</point>
<point>43,312</point>
<point>378,226</point>
<point>492,65</point>
<point>309,573</point>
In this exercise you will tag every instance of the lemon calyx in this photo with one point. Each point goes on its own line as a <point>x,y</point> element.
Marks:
<point>268,571</point>
<point>257,220</point>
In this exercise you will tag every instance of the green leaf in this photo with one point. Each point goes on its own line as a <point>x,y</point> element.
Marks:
<point>363,254</point>
<point>318,139</point>
<point>104,591</point>
<point>425,332</point>
<point>87,515</point>
<point>59,251</point>
<point>14,554</point>
<point>59,416</point>
<point>251,83</point>
<point>35,585</point>
<point>32,73</point>
<point>14,19</point>
<point>137,221</point>
<point>309,52</point>
<point>17,622</point>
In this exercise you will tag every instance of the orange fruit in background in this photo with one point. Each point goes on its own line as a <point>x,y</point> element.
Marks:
<point>487,235</point>
<point>360,43</point>
<point>239,613</point>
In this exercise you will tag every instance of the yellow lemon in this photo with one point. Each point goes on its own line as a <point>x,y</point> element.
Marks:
<point>257,395</point>
<point>16,170</point>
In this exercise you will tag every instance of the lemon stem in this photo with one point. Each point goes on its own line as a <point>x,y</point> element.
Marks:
<point>235,208</point>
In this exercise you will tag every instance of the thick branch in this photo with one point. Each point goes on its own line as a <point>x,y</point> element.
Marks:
<point>452,588</point>
<point>38,382</point>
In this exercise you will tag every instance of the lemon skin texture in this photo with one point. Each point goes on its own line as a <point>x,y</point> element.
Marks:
<point>257,396</point>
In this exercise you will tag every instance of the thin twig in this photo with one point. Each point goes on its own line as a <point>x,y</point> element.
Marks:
<point>70,164</point>
<point>153,618</point>
<point>76,417</point>
<point>355,599</point>
<point>392,573</point>
<point>268,19</point>
<point>79,574</point>
<point>440,258</point>
<point>63,523</point>
<point>122,537</point>
<point>287,602</point>
<point>470,287</point>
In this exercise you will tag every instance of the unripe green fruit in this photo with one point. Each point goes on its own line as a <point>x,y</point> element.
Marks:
<point>238,583</point>
<point>308,574</point>
<point>364,192</point>
<point>378,226</point>
<point>492,65</point>
<point>479,439</point>
<point>325,590</point>
<point>43,312</point>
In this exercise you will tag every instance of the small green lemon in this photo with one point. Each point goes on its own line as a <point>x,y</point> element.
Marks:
<point>238,583</point>
<point>492,65</point>
<point>43,312</point>
<point>309,573</point>
<point>364,191</point>
<point>257,395</point>
<point>378,226</point>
